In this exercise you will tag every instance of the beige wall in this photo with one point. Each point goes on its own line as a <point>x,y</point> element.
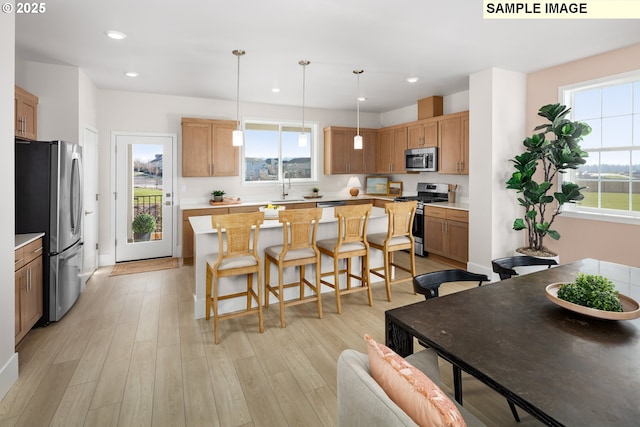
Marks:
<point>585,238</point>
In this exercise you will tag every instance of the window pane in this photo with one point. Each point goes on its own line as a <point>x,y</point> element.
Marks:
<point>594,139</point>
<point>615,165</point>
<point>261,152</point>
<point>636,97</point>
<point>617,100</point>
<point>616,131</point>
<point>635,197</point>
<point>587,176</point>
<point>636,129</point>
<point>614,195</point>
<point>587,104</point>
<point>296,161</point>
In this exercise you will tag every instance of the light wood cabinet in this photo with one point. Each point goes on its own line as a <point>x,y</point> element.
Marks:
<point>187,230</point>
<point>453,144</point>
<point>392,143</point>
<point>26,114</point>
<point>341,158</point>
<point>28,288</point>
<point>207,148</point>
<point>446,233</point>
<point>423,133</point>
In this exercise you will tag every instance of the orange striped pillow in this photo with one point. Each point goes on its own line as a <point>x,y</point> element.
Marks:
<point>411,389</point>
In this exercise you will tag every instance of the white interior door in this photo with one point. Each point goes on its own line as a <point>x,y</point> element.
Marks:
<point>90,201</point>
<point>144,186</point>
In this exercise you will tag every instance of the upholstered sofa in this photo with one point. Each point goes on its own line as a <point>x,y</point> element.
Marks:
<point>362,402</point>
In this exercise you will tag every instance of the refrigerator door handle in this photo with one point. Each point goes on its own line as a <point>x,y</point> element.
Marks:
<point>76,194</point>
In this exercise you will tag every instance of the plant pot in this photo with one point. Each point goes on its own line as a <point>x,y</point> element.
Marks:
<point>217,198</point>
<point>315,194</point>
<point>141,237</point>
<point>533,268</point>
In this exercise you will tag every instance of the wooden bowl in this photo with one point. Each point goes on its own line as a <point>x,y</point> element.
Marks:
<point>630,307</point>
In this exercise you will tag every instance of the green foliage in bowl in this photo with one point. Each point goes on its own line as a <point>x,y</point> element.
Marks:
<point>591,291</point>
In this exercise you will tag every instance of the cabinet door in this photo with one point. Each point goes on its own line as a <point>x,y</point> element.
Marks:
<point>369,141</point>
<point>19,284</point>
<point>457,241</point>
<point>449,139</point>
<point>225,155</point>
<point>415,136</point>
<point>434,237</point>
<point>31,303</point>
<point>430,131</point>
<point>196,149</point>
<point>384,147</point>
<point>399,147</point>
<point>464,145</point>
<point>26,114</point>
<point>334,152</point>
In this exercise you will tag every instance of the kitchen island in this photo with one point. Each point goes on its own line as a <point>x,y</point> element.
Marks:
<point>206,242</point>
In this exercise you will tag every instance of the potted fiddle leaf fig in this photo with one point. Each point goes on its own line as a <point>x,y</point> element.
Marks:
<point>142,226</point>
<point>553,150</point>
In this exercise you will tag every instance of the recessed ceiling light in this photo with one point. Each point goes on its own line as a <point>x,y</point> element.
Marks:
<point>362,98</point>
<point>275,90</point>
<point>131,74</point>
<point>116,35</point>
<point>412,79</point>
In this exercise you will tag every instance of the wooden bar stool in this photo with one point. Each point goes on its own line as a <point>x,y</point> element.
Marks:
<point>237,255</point>
<point>299,229</point>
<point>351,242</point>
<point>398,237</point>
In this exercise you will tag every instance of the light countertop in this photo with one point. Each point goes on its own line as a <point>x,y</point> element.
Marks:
<point>25,239</point>
<point>204,204</point>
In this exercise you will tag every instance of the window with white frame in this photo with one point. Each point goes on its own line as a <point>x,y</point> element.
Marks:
<point>611,174</point>
<point>272,152</point>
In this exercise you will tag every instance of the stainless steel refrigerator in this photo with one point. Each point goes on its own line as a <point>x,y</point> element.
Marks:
<point>49,199</point>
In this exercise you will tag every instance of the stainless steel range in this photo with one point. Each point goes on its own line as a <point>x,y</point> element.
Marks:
<point>427,193</point>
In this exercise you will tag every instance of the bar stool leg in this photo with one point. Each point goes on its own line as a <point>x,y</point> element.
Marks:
<point>318,289</point>
<point>281,296</point>
<point>260,319</point>
<point>336,284</point>
<point>215,310</point>
<point>388,259</point>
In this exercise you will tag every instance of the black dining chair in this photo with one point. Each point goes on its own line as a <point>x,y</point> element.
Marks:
<point>505,266</point>
<point>428,285</point>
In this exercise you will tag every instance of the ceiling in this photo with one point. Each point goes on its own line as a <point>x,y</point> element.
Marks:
<point>184,47</point>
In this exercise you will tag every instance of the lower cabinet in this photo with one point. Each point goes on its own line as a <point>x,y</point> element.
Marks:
<point>28,288</point>
<point>447,233</point>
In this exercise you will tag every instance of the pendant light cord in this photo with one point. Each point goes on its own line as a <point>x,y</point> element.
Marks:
<point>238,94</point>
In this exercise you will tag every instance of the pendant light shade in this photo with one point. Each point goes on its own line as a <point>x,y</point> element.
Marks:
<point>357,140</point>
<point>302,138</point>
<point>238,137</point>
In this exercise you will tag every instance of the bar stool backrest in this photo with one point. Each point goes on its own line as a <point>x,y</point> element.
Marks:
<point>352,223</point>
<point>234,234</point>
<point>300,227</point>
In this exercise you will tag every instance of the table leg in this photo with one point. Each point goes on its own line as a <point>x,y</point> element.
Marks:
<point>457,384</point>
<point>397,339</point>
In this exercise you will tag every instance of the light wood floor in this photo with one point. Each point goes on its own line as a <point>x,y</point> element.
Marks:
<point>129,353</point>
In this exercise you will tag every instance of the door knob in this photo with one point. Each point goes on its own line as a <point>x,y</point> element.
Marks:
<point>88,212</point>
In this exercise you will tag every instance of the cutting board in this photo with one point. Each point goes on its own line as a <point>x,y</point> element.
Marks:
<point>225,202</point>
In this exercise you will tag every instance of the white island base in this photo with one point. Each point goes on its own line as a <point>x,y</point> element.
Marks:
<point>206,242</point>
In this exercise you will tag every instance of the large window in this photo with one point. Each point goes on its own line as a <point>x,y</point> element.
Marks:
<point>271,152</point>
<point>612,172</point>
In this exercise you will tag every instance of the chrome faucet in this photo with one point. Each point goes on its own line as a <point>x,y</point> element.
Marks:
<point>284,176</point>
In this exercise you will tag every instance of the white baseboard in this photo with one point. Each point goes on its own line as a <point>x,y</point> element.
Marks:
<point>481,269</point>
<point>8,375</point>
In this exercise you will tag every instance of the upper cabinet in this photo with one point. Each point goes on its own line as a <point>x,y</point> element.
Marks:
<point>26,114</point>
<point>339,155</point>
<point>207,148</point>
<point>453,144</point>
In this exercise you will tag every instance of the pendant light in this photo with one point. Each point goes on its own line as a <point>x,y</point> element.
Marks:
<point>357,140</point>
<point>302,138</point>
<point>237,134</point>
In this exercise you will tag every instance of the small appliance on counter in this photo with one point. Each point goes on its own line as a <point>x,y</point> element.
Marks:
<point>49,199</point>
<point>427,193</point>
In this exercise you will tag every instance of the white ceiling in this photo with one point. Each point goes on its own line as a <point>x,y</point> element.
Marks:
<point>184,47</point>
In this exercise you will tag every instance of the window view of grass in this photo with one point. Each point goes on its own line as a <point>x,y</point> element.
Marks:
<point>611,201</point>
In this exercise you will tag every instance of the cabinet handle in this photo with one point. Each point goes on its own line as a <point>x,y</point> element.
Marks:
<point>28,280</point>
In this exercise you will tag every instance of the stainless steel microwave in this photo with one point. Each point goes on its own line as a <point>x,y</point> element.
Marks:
<point>421,159</point>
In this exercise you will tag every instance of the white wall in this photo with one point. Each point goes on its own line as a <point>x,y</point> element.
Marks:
<point>87,103</point>
<point>8,357</point>
<point>143,112</point>
<point>57,89</point>
<point>497,99</point>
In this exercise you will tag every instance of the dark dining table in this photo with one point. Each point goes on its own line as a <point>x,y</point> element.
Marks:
<point>564,368</point>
